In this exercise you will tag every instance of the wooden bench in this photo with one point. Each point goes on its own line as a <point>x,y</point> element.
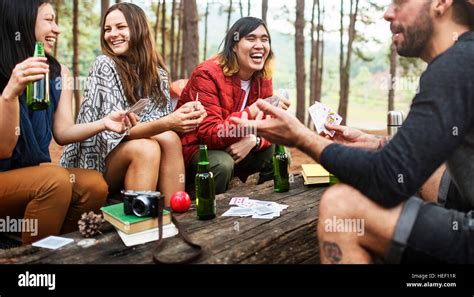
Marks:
<point>290,238</point>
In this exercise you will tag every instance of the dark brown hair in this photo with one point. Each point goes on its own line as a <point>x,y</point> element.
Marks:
<point>140,69</point>
<point>463,12</point>
<point>227,58</point>
<point>17,35</point>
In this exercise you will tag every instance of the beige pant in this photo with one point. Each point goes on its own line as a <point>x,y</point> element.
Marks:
<point>54,196</point>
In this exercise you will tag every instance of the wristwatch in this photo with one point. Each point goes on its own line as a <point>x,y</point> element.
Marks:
<point>257,145</point>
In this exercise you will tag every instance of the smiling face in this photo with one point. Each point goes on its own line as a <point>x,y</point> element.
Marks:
<point>46,29</point>
<point>117,33</point>
<point>252,52</point>
<point>411,26</point>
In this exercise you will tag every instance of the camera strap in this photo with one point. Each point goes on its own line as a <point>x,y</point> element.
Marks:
<point>196,249</point>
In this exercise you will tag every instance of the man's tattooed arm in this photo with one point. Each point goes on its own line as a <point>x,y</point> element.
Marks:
<point>332,252</point>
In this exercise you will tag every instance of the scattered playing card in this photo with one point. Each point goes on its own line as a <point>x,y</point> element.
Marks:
<point>321,114</point>
<point>238,212</point>
<point>263,210</point>
<point>242,202</point>
<point>52,242</point>
<point>256,208</point>
<point>238,200</point>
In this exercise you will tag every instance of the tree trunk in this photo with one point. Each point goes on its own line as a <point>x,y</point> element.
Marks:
<point>248,8</point>
<point>341,62</point>
<point>57,4</point>
<point>318,78</point>
<point>204,57</point>
<point>182,68</point>
<point>104,6</point>
<point>172,41</point>
<point>190,37</point>
<point>345,65</point>
<point>179,57</point>
<point>163,31</point>
<point>229,16</point>
<point>264,10</point>
<point>157,23</point>
<point>312,66</point>
<point>393,75</point>
<point>241,9</point>
<point>75,57</point>
<point>300,67</point>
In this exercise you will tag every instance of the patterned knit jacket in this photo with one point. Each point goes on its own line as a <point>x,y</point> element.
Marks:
<point>103,95</point>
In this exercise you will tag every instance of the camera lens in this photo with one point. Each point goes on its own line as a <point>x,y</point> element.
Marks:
<point>141,206</point>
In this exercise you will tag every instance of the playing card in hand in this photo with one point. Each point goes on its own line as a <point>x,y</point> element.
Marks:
<point>321,114</point>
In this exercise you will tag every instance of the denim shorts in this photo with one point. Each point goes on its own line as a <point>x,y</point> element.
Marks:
<point>434,233</point>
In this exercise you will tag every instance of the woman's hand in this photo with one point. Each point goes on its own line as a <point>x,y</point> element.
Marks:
<point>187,118</point>
<point>30,70</point>
<point>120,122</point>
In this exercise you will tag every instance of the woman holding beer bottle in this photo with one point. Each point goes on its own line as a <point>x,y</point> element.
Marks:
<point>53,196</point>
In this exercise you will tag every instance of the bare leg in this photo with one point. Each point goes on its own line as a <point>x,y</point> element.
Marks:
<point>133,164</point>
<point>342,202</point>
<point>172,171</point>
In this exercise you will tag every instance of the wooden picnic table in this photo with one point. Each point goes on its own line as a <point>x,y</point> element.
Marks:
<point>288,239</point>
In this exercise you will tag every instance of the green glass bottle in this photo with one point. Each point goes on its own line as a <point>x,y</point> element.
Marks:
<point>37,92</point>
<point>333,179</point>
<point>205,188</point>
<point>281,181</point>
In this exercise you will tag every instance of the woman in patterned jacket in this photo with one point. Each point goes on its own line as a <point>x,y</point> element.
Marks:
<point>148,156</point>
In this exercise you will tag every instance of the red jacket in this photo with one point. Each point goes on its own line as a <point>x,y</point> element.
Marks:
<point>222,97</point>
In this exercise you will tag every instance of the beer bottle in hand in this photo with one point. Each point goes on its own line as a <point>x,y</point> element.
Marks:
<point>205,189</point>
<point>37,92</point>
<point>281,180</point>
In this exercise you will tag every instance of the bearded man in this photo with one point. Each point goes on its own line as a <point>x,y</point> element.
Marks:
<point>379,182</point>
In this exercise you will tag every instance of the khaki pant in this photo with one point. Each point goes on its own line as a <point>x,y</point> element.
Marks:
<point>54,196</point>
<point>223,167</point>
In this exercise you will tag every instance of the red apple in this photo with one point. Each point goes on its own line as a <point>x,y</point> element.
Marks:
<point>180,202</point>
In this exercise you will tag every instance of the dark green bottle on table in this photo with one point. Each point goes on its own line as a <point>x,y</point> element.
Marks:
<point>333,179</point>
<point>205,188</point>
<point>37,92</point>
<point>281,180</point>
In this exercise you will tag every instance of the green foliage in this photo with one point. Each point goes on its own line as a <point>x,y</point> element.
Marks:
<point>89,35</point>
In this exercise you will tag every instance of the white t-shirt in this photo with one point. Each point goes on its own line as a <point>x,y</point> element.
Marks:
<point>245,85</point>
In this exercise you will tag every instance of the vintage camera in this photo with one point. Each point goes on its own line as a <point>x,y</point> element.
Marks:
<point>141,203</point>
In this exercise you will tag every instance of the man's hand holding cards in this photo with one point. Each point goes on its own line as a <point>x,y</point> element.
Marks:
<point>321,114</point>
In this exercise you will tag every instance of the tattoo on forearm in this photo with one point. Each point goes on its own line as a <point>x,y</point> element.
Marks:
<point>332,251</point>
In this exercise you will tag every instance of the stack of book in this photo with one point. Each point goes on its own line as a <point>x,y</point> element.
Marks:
<point>135,230</point>
<point>315,174</point>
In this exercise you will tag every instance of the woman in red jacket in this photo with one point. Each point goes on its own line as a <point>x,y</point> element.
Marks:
<point>228,85</point>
